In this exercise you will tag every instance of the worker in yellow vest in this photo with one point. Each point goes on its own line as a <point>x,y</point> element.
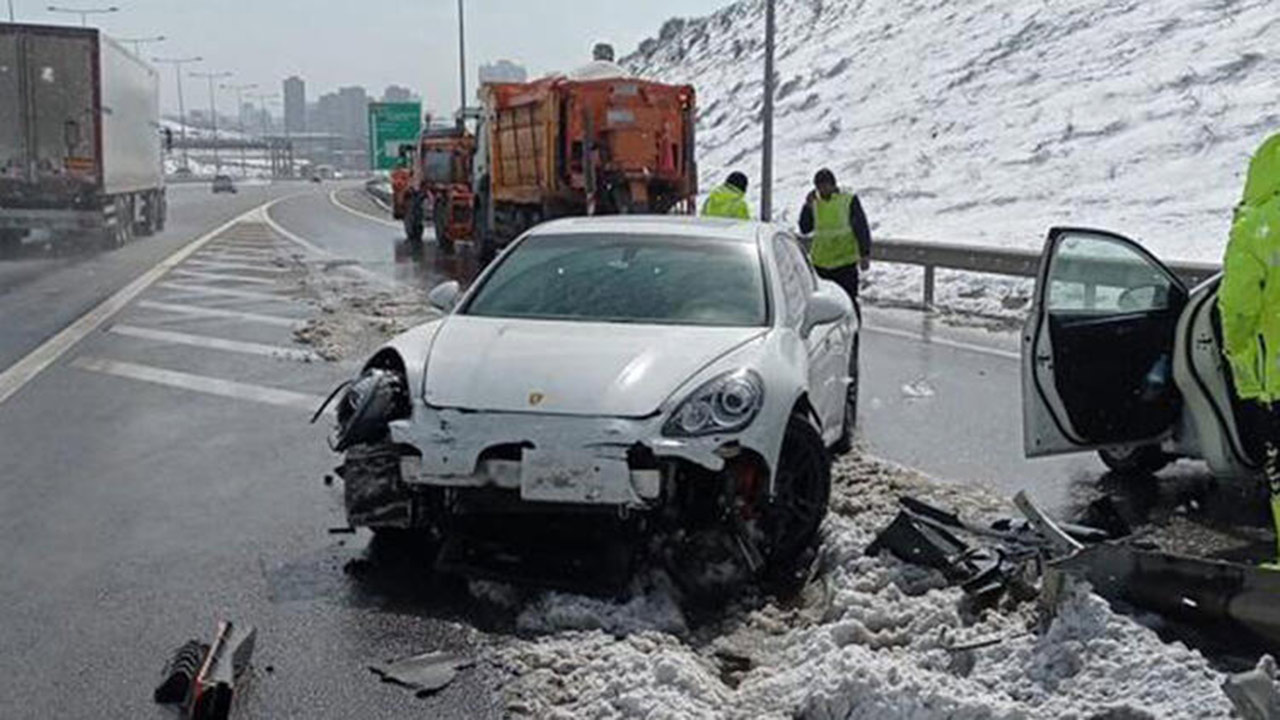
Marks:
<point>838,227</point>
<point>729,200</point>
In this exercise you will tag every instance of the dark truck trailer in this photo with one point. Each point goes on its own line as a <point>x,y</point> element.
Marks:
<point>80,141</point>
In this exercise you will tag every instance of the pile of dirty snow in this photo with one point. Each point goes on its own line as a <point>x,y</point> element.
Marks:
<point>357,319</point>
<point>871,638</point>
<point>986,122</point>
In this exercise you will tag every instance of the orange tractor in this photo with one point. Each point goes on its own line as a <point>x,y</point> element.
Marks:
<point>439,177</point>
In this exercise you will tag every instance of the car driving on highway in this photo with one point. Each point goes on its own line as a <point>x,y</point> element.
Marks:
<point>682,378</point>
<point>1120,357</point>
<point>223,183</point>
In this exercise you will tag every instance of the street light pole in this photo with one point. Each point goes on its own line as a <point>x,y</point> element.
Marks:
<point>11,19</point>
<point>177,64</point>
<point>462,67</point>
<point>240,118</point>
<point>84,13</point>
<point>213,112</point>
<point>137,42</point>
<point>766,162</point>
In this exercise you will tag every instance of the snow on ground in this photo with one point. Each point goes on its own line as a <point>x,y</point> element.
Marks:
<point>987,122</point>
<point>870,639</point>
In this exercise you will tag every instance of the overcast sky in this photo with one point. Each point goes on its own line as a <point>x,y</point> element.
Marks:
<point>331,43</point>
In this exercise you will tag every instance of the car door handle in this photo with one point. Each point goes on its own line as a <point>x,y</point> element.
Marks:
<point>1044,357</point>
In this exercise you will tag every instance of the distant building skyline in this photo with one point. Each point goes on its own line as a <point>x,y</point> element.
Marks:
<point>295,104</point>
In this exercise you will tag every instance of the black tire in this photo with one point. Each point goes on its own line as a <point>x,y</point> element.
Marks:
<point>162,210</point>
<point>850,421</point>
<point>413,225</point>
<point>803,490</point>
<point>1142,460</point>
<point>440,221</point>
<point>118,234</point>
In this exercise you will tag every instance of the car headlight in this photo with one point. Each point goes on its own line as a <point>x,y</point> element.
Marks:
<point>726,403</point>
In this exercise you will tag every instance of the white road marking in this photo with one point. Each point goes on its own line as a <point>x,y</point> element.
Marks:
<point>333,198</point>
<point>231,277</point>
<point>201,311</point>
<point>956,344</point>
<point>201,383</point>
<point>363,272</point>
<point>212,343</point>
<point>219,265</point>
<point>21,372</point>
<point>224,292</point>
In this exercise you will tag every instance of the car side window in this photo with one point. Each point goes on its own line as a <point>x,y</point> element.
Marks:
<point>1097,274</point>
<point>796,278</point>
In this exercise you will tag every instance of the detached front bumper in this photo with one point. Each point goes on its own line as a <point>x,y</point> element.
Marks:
<point>551,458</point>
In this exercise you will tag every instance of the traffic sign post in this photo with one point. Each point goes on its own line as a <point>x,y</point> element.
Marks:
<point>391,126</point>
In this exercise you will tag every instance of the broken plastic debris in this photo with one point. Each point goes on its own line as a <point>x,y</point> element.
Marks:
<point>425,674</point>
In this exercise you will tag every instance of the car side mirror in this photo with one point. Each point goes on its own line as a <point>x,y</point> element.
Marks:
<point>826,305</point>
<point>443,296</point>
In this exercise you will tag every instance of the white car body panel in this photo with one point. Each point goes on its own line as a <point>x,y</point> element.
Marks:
<point>572,368</point>
<point>578,396</point>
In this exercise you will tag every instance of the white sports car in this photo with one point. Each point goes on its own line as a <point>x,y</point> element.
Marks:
<point>685,379</point>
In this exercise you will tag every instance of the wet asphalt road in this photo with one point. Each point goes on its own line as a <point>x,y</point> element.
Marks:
<point>158,479</point>
<point>144,497</point>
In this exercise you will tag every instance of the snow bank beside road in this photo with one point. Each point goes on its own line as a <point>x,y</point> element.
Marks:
<point>872,643</point>
<point>980,121</point>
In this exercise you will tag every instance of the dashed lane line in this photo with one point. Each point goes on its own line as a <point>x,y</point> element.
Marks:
<point>210,312</point>
<point>229,277</point>
<point>13,378</point>
<point>223,292</point>
<point>213,343</point>
<point>333,198</point>
<point>200,383</point>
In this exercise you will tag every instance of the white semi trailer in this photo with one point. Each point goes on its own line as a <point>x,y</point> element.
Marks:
<point>80,140</point>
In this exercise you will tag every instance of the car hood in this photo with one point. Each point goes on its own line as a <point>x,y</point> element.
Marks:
<point>569,368</point>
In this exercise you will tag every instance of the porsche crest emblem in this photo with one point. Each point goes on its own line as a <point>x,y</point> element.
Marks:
<point>536,398</point>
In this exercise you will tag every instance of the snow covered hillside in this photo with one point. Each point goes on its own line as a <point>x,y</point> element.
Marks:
<point>990,120</point>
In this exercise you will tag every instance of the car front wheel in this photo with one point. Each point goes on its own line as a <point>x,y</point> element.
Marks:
<point>803,489</point>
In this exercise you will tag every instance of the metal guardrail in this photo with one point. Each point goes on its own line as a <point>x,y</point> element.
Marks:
<point>954,256</point>
<point>993,261</point>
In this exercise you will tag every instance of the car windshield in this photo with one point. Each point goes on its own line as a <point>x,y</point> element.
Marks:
<point>628,279</point>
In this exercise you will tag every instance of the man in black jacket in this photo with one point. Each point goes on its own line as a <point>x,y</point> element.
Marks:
<point>841,236</point>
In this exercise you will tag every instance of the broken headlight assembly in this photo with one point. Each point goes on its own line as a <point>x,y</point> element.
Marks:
<point>726,403</point>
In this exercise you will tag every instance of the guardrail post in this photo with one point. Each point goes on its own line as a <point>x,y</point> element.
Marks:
<point>928,286</point>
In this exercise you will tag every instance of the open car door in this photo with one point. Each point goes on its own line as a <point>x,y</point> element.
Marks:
<point>1097,350</point>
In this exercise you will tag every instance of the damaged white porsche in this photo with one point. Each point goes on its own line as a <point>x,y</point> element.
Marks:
<point>677,384</point>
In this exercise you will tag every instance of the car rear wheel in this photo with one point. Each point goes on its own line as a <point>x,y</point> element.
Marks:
<point>803,489</point>
<point>1140,460</point>
<point>845,443</point>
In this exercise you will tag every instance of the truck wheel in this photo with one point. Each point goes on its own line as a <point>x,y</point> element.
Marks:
<point>118,233</point>
<point>413,219</point>
<point>162,210</point>
<point>800,503</point>
<point>440,221</point>
<point>1142,460</point>
<point>148,225</point>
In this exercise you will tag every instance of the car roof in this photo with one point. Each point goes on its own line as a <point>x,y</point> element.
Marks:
<point>746,231</point>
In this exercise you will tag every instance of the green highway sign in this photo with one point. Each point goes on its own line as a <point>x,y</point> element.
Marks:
<point>391,126</point>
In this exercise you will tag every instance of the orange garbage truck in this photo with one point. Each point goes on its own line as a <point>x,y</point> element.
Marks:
<point>560,147</point>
